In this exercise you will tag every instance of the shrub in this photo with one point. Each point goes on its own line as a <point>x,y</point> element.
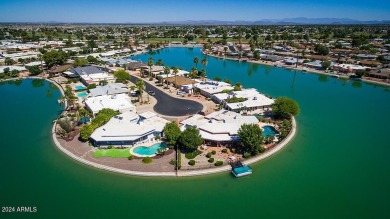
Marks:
<point>131,157</point>
<point>233,150</point>
<point>191,162</point>
<point>173,162</point>
<point>224,150</point>
<point>192,155</point>
<point>208,155</point>
<point>213,152</point>
<point>218,163</point>
<point>151,79</point>
<point>178,159</point>
<point>147,160</point>
<point>211,160</point>
<point>110,147</point>
<point>91,86</point>
<point>247,154</point>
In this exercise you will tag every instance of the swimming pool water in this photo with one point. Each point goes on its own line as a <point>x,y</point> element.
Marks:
<point>269,130</point>
<point>80,87</point>
<point>82,94</point>
<point>152,150</point>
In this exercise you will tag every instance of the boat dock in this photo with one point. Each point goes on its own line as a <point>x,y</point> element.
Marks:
<point>239,169</point>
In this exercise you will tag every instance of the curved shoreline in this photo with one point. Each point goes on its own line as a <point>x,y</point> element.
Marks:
<point>179,173</point>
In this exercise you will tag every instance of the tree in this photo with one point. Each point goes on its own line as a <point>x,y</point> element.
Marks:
<point>321,50</point>
<point>326,64</point>
<point>250,137</point>
<point>193,73</point>
<point>175,72</point>
<point>284,107</point>
<point>92,59</point>
<point>190,139</point>
<point>237,86</point>
<point>13,73</point>
<point>360,73</point>
<point>80,62</point>
<point>9,61</point>
<point>202,73</point>
<point>167,71</point>
<point>196,60</point>
<point>140,86</point>
<point>150,64</point>
<point>34,70</point>
<point>171,133</point>
<point>122,76</point>
<point>204,62</point>
<point>54,58</point>
<point>86,132</point>
<point>159,62</point>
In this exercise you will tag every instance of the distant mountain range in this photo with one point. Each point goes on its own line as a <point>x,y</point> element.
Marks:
<point>284,21</point>
<point>298,20</point>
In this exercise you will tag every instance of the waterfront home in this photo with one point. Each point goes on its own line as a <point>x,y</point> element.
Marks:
<point>220,127</point>
<point>109,89</point>
<point>91,74</point>
<point>212,87</point>
<point>179,81</point>
<point>12,67</point>
<point>129,128</point>
<point>349,68</point>
<point>252,100</point>
<point>120,102</point>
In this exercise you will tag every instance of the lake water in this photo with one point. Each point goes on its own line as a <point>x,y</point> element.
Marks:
<point>337,166</point>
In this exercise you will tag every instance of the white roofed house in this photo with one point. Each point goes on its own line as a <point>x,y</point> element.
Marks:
<point>129,128</point>
<point>219,127</point>
<point>109,89</point>
<point>252,100</point>
<point>92,74</point>
<point>120,102</point>
<point>209,88</point>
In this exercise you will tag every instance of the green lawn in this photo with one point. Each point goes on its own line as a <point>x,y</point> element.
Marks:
<point>116,153</point>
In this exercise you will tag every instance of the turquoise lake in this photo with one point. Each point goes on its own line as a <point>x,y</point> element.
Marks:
<point>337,166</point>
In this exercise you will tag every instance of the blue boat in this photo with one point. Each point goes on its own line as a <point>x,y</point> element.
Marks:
<point>240,169</point>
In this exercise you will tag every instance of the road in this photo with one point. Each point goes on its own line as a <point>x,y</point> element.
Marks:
<point>171,106</point>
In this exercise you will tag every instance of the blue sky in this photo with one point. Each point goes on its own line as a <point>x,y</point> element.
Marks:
<point>120,11</point>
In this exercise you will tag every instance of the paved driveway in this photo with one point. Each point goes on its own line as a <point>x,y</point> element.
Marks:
<point>170,106</point>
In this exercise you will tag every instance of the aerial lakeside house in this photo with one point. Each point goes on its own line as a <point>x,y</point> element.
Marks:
<point>252,100</point>
<point>109,89</point>
<point>218,128</point>
<point>91,74</point>
<point>209,88</point>
<point>128,129</point>
<point>120,102</point>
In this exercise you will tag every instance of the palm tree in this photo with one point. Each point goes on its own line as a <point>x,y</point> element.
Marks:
<point>202,73</point>
<point>140,86</point>
<point>159,62</point>
<point>225,49</point>
<point>167,71</point>
<point>150,64</point>
<point>175,71</point>
<point>194,73</point>
<point>196,60</point>
<point>204,61</point>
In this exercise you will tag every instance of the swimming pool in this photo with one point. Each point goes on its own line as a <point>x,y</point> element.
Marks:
<point>82,94</point>
<point>269,130</point>
<point>259,115</point>
<point>143,151</point>
<point>80,87</point>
